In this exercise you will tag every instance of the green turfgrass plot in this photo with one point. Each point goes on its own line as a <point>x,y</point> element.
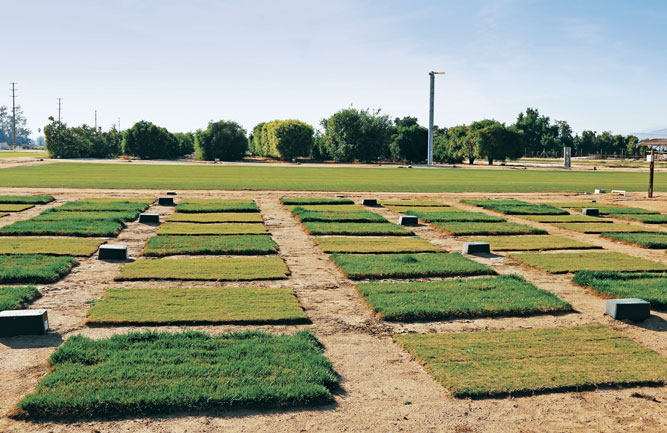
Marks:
<point>357,229</point>
<point>462,216</point>
<point>650,287</point>
<point>605,209</point>
<point>211,229</point>
<point>378,266</point>
<point>216,217</point>
<point>216,205</point>
<point>166,245</point>
<point>24,155</point>
<point>16,297</point>
<point>15,207</point>
<point>375,245</point>
<point>26,199</point>
<point>576,204</point>
<point>657,240</point>
<point>603,228</point>
<point>205,268</point>
<point>328,208</point>
<point>58,215</point>
<point>644,218</point>
<point>529,242</point>
<point>49,246</point>
<point>34,268</point>
<point>486,228</point>
<point>566,219</point>
<point>507,295</point>
<point>313,200</point>
<point>517,207</point>
<point>105,205</point>
<point>333,216</point>
<point>494,363</point>
<point>198,305</point>
<point>617,211</point>
<point>560,263</point>
<point>423,209</point>
<point>68,227</point>
<point>423,203</point>
<point>144,373</point>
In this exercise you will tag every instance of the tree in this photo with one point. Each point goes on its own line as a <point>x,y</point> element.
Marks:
<point>186,143</point>
<point>225,140</point>
<point>352,134</point>
<point>497,142</point>
<point>81,141</point>
<point>7,131</point>
<point>288,139</point>
<point>149,141</point>
<point>319,150</point>
<point>409,141</point>
<point>255,140</point>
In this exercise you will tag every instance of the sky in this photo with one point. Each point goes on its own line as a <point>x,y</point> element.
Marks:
<point>599,65</point>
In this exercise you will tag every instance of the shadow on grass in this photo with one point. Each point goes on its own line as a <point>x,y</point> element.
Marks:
<point>51,339</point>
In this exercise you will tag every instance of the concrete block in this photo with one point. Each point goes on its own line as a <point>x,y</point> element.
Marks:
<point>619,191</point>
<point>23,322</point>
<point>408,220</point>
<point>369,202</point>
<point>171,192</point>
<point>149,218</point>
<point>476,248</point>
<point>634,309</point>
<point>165,201</point>
<point>112,252</point>
<point>600,191</point>
<point>591,211</point>
<point>340,196</point>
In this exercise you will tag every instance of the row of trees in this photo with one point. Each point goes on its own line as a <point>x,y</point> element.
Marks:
<point>7,130</point>
<point>282,139</point>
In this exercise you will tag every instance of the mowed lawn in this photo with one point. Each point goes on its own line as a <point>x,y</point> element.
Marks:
<point>528,243</point>
<point>166,245</point>
<point>375,245</point>
<point>560,263</point>
<point>321,178</point>
<point>649,287</point>
<point>15,297</point>
<point>49,246</point>
<point>206,268</point>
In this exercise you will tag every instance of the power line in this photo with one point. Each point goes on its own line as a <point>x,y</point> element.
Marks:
<point>14,111</point>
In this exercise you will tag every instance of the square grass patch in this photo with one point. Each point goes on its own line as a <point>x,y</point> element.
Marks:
<point>328,208</point>
<point>106,205</point>
<point>145,373</point>
<point>216,217</point>
<point>67,227</point>
<point>356,229</point>
<point>603,228</point>
<point>333,216</point>
<point>58,215</point>
<point>206,269</point>
<point>614,211</point>
<point>15,207</point>
<point>197,305</point>
<point>34,268</point>
<point>566,219</point>
<point>644,218</point>
<point>529,242</point>
<point>560,263</point>
<point>314,201</point>
<point>517,207</point>
<point>649,287</point>
<point>576,204</point>
<point>50,246</point>
<point>16,297</point>
<point>486,228</point>
<point>211,229</point>
<point>379,266</point>
<point>657,240</point>
<point>423,209</point>
<point>26,199</point>
<point>166,245</point>
<point>375,245</point>
<point>215,205</point>
<point>423,203</point>
<point>462,216</point>
<point>527,361</point>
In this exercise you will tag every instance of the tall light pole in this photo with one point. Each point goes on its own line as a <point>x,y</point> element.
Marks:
<point>430,116</point>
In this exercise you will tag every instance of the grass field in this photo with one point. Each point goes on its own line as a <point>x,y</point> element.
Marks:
<point>58,215</point>
<point>486,228</point>
<point>560,263</point>
<point>603,228</point>
<point>362,216</point>
<point>507,295</point>
<point>378,266</point>
<point>211,229</point>
<point>314,201</point>
<point>34,268</point>
<point>197,305</point>
<point>68,227</point>
<point>139,374</point>
<point>644,218</point>
<point>213,245</point>
<point>49,246</point>
<point>517,207</point>
<point>495,363</point>
<point>528,242</point>
<point>216,217</point>
<point>358,229</point>
<point>650,287</point>
<point>15,207</point>
<point>16,297</point>
<point>205,268</point>
<point>656,240</point>
<point>216,205</point>
<point>375,245</point>
<point>26,199</point>
<point>566,219</point>
<point>24,155</point>
<point>461,216</point>
<point>321,178</point>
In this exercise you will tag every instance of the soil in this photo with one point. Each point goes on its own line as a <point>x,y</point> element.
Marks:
<point>383,389</point>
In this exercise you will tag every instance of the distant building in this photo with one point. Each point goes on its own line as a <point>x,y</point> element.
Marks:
<point>4,145</point>
<point>40,141</point>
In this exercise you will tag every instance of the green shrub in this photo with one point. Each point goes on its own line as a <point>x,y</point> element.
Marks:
<point>288,139</point>
<point>80,142</point>
<point>224,140</point>
<point>149,141</point>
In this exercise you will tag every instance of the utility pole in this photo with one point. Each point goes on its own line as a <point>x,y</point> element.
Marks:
<point>652,168</point>
<point>430,117</point>
<point>95,120</point>
<point>60,103</point>
<point>14,112</point>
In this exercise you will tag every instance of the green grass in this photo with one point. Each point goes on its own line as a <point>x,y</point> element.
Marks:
<point>211,229</point>
<point>605,209</point>
<point>423,203</point>
<point>462,216</point>
<point>644,218</point>
<point>657,240</point>
<point>375,245</point>
<point>228,244</point>
<point>212,269</point>
<point>312,201</point>
<point>333,216</point>
<point>526,243</point>
<point>618,211</point>
<point>650,287</point>
<point>216,205</point>
<point>423,209</point>
<point>527,361</point>
<point>58,215</point>
<point>15,207</point>
<point>377,266</point>
<point>328,208</point>
<point>3,214</point>
<point>603,228</point>
<point>216,217</point>
<point>145,373</point>
<point>24,155</point>
<point>560,263</point>
<point>69,227</point>
<point>49,246</point>
<point>507,295</point>
<point>26,199</point>
<point>357,229</point>
<point>566,219</point>
<point>484,228</point>
<point>197,305</point>
<point>34,268</point>
<point>16,297</point>
<point>576,204</point>
<point>517,207</point>
<point>108,205</point>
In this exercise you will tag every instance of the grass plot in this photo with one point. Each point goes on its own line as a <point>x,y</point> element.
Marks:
<point>424,203</point>
<point>356,229</point>
<point>58,215</point>
<point>603,228</point>
<point>215,205</point>
<point>493,363</point>
<point>517,207</point>
<point>650,287</point>
<point>461,216</point>
<point>49,246</point>
<point>488,228</point>
<point>216,217</point>
<point>101,205</point>
<point>15,297</point>
<point>68,227</point>
<point>143,373</point>
<point>566,219</point>
<point>166,245</point>
<point>314,200</point>
<point>644,218</point>
<point>375,245</point>
<point>211,229</point>
<point>333,216</point>
<point>328,208</point>
<point>26,199</point>
<point>528,243</point>
<point>423,209</point>
<point>199,305</point>
<point>34,268</point>
<point>507,295</point>
<point>378,266</point>
<point>560,263</point>
<point>657,240</point>
<point>202,269</point>
<point>15,207</point>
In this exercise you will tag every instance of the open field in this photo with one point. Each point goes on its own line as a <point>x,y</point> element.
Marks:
<point>486,228</point>
<point>649,287</point>
<point>34,268</point>
<point>656,240</point>
<point>211,229</point>
<point>474,364</point>
<point>49,246</point>
<point>528,242</point>
<point>166,245</point>
<point>559,263</point>
<point>375,245</point>
<point>15,297</point>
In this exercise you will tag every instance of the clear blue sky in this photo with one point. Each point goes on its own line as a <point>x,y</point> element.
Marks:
<point>598,64</point>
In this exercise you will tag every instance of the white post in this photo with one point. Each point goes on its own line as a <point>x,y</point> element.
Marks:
<point>430,119</point>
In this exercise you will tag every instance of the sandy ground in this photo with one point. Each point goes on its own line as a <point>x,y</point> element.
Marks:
<point>378,378</point>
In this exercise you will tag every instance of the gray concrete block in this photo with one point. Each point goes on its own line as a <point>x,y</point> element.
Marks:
<point>149,218</point>
<point>112,252</point>
<point>171,192</point>
<point>476,248</point>
<point>23,322</point>
<point>165,201</point>
<point>591,211</point>
<point>600,191</point>
<point>369,202</point>
<point>634,309</point>
<point>408,220</point>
